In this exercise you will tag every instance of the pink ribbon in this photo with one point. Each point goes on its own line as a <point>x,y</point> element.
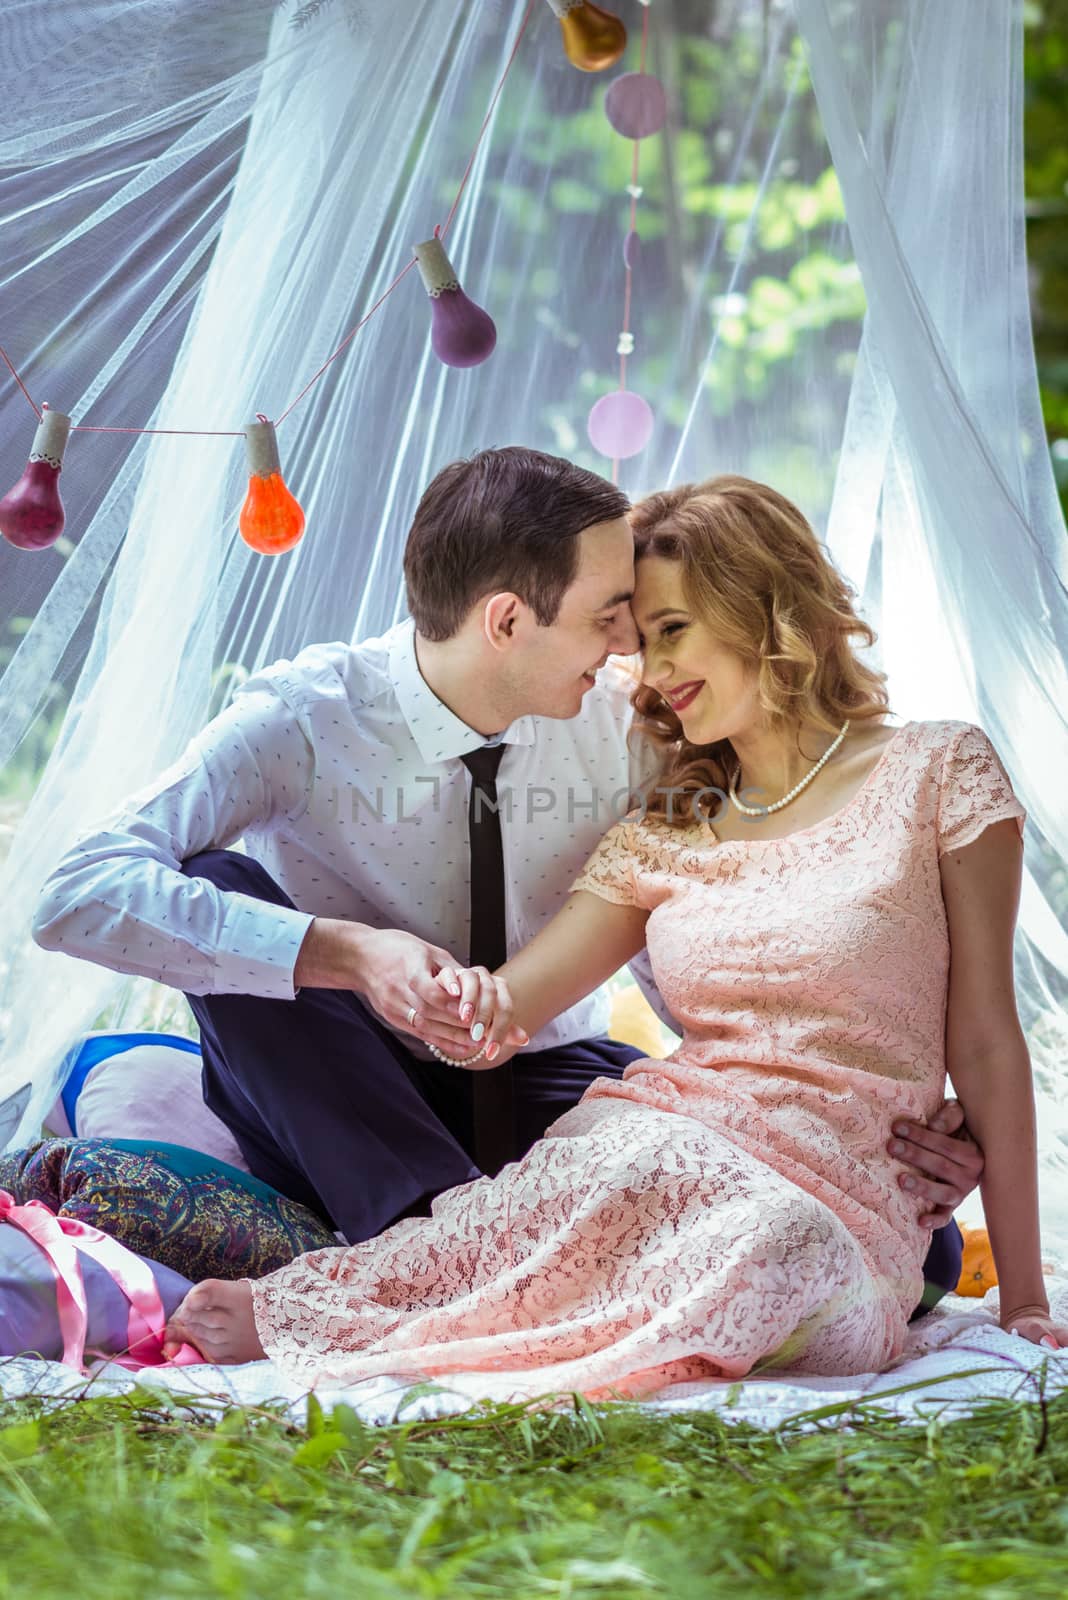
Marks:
<point>61,1238</point>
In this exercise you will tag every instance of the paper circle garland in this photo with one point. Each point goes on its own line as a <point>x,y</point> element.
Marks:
<point>632,250</point>
<point>620,424</point>
<point>636,105</point>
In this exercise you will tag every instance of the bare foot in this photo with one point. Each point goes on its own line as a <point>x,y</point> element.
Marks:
<point>216,1318</point>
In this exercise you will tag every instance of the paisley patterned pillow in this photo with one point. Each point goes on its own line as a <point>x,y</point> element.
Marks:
<point>197,1215</point>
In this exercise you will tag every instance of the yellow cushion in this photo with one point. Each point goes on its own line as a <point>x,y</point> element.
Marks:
<point>633,1021</point>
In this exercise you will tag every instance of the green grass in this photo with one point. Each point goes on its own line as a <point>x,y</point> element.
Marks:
<point>135,1496</point>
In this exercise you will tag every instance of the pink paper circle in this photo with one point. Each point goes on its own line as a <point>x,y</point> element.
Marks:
<point>636,105</point>
<point>632,250</point>
<point>620,424</point>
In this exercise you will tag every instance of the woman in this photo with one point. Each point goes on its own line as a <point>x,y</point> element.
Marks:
<point>802,875</point>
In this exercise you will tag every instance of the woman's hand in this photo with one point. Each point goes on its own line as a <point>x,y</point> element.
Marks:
<point>474,1009</point>
<point>1036,1324</point>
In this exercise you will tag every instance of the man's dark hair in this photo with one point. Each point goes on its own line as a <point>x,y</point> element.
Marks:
<point>505,520</point>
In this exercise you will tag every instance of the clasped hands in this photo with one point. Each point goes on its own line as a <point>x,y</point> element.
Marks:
<point>463,1009</point>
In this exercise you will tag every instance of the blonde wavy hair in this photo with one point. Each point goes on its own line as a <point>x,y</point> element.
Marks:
<point>754,571</point>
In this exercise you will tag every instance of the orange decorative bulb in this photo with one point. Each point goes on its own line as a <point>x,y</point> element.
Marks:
<point>593,39</point>
<point>271,521</point>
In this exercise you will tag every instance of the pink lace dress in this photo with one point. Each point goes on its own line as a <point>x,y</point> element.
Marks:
<point>733,1206</point>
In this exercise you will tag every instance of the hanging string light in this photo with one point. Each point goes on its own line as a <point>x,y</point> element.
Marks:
<point>271,521</point>
<point>593,39</point>
<point>461,333</point>
<point>31,514</point>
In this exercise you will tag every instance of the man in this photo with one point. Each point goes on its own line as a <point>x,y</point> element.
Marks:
<point>355,776</point>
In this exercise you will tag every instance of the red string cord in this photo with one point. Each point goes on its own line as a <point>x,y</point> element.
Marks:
<point>20,383</point>
<point>486,120</point>
<point>348,338</point>
<point>439,232</point>
<point>634,167</point>
<point>185,433</point>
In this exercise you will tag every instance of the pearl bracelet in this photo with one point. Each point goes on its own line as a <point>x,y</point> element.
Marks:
<point>451,1061</point>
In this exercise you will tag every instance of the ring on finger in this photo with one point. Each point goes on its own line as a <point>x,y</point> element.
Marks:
<point>412,1014</point>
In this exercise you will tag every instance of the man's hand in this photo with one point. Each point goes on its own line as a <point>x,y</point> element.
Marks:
<point>945,1161</point>
<point>396,973</point>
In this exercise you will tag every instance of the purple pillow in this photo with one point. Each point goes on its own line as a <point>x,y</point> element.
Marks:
<point>29,1315</point>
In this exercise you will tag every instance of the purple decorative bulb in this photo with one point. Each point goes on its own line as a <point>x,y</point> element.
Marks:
<point>461,333</point>
<point>31,514</point>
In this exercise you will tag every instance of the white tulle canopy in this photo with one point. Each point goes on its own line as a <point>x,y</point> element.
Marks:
<point>198,202</point>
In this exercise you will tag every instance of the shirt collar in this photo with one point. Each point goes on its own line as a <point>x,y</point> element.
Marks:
<point>438,732</point>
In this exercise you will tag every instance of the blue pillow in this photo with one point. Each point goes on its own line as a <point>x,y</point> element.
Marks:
<point>99,1047</point>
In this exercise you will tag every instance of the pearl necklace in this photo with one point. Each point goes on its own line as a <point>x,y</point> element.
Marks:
<point>764,811</point>
<point>451,1061</point>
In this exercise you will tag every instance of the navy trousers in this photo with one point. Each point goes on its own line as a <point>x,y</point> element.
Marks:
<point>328,1106</point>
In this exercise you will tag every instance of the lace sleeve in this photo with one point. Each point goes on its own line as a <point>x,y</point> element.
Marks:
<point>610,871</point>
<point>975,790</point>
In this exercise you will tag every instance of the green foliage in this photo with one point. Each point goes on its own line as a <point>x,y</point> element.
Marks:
<point>119,1498</point>
<point>307,11</point>
<point>19,778</point>
<point>1046,188</point>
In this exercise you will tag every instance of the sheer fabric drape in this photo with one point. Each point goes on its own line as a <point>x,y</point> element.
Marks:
<point>198,202</point>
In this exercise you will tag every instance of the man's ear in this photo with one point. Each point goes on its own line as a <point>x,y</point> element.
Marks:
<point>500,618</point>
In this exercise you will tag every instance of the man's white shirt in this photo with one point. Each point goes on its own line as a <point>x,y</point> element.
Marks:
<point>340,771</point>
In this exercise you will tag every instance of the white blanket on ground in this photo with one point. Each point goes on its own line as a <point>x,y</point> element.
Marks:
<point>956,1358</point>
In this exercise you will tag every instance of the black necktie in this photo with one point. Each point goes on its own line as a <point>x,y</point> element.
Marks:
<point>491,1090</point>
